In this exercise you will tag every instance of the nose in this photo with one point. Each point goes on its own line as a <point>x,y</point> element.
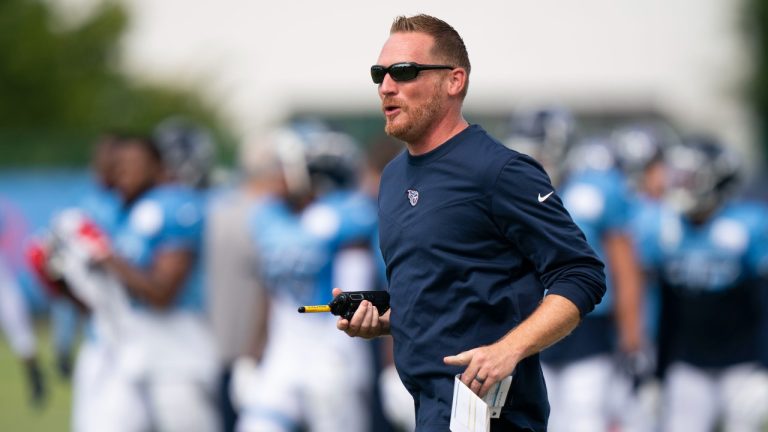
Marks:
<point>388,86</point>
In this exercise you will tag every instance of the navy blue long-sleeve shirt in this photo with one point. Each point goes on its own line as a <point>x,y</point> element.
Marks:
<point>472,239</point>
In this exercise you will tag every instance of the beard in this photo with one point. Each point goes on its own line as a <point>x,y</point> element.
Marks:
<point>419,120</point>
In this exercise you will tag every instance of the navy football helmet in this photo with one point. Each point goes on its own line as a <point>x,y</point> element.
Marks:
<point>589,153</point>
<point>317,159</point>
<point>702,175</point>
<point>545,135</point>
<point>188,150</point>
<point>637,146</point>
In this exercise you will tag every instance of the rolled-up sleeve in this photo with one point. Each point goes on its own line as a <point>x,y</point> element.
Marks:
<point>529,212</point>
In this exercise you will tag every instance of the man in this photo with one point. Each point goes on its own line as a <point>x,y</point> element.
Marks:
<point>710,260</point>
<point>164,361</point>
<point>237,298</point>
<point>473,235</point>
<point>639,151</point>
<point>315,236</point>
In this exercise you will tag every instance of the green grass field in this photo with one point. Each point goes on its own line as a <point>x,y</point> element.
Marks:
<point>16,413</point>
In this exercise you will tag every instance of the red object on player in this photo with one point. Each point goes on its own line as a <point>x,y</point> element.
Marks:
<point>37,257</point>
<point>97,241</point>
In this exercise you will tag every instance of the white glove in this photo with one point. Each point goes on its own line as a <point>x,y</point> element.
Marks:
<point>76,244</point>
<point>77,232</point>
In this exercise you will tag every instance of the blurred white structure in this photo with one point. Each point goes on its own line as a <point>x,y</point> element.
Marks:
<point>262,60</point>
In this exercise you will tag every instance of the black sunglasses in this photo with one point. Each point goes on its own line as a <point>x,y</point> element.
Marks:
<point>399,72</point>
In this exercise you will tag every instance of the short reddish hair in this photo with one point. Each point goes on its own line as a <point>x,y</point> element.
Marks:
<point>449,47</point>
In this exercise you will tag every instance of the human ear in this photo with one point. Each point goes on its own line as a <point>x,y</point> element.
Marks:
<point>457,81</point>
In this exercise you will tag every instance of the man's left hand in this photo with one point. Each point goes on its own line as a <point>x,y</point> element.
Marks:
<point>486,366</point>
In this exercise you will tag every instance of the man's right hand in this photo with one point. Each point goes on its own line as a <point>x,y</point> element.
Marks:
<point>366,322</point>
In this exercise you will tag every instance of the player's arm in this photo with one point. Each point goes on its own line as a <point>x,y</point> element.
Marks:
<point>627,277</point>
<point>159,285</point>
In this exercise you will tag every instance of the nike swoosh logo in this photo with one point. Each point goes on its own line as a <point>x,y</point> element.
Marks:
<point>544,198</point>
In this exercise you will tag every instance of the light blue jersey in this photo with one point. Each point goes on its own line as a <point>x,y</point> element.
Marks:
<point>297,250</point>
<point>718,255</point>
<point>598,203</point>
<point>711,272</point>
<point>167,217</point>
<point>102,206</point>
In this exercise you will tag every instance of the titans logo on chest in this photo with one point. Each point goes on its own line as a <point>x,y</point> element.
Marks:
<point>413,197</point>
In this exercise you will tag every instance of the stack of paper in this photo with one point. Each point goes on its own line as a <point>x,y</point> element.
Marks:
<point>470,413</point>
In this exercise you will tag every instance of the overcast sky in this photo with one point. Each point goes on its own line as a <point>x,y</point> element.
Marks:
<point>260,60</point>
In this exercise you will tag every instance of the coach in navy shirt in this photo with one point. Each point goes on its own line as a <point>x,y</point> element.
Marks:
<point>473,237</point>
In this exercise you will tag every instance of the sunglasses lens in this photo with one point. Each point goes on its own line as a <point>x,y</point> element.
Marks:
<point>403,72</point>
<point>377,74</point>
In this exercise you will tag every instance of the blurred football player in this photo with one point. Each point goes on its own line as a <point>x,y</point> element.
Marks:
<point>60,257</point>
<point>16,324</point>
<point>639,151</point>
<point>315,238</point>
<point>236,294</point>
<point>163,370</point>
<point>579,369</point>
<point>709,259</point>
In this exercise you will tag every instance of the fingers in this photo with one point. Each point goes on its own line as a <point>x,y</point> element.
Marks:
<point>370,326</point>
<point>460,359</point>
<point>468,377</point>
<point>357,319</point>
<point>479,375</point>
<point>486,387</point>
<point>371,322</point>
<point>479,380</point>
<point>475,384</point>
<point>342,324</point>
<point>481,385</point>
<point>364,322</point>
